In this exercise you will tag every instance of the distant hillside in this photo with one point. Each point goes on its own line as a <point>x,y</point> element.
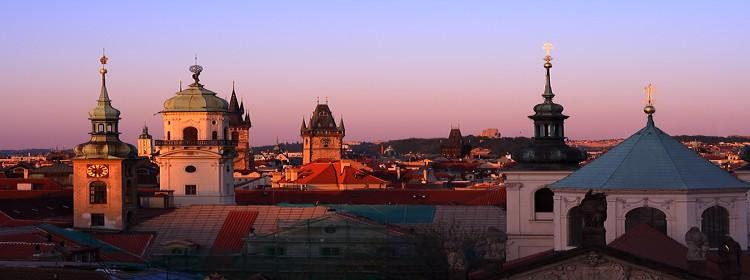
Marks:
<point>712,139</point>
<point>498,146</point>
<point>24,152</point>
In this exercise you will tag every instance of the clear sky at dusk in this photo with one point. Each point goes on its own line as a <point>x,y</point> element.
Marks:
<point>394,69</point>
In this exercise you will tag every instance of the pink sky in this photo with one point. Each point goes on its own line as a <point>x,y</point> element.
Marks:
<point>394,70</point>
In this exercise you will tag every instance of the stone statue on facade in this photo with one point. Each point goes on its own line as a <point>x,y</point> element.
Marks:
<point>697,243</point>
<point>593,208</point>
<point>730,254</point>
<point>492,246</point>
<point>455,256</point>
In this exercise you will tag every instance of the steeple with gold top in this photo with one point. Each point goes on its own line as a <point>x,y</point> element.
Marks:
<point>548,150</point>
<point>105,136</point>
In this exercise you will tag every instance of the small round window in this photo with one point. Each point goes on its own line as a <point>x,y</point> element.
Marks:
<point>190,169</point>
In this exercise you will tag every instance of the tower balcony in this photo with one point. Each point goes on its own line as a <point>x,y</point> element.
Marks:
<point>196,142</point>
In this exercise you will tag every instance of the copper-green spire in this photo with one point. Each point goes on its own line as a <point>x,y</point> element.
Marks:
<point>104,109</point>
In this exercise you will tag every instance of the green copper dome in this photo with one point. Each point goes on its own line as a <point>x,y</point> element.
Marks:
<point>196,98</point>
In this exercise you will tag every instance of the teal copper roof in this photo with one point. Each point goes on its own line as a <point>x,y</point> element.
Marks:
<point>650,160</point>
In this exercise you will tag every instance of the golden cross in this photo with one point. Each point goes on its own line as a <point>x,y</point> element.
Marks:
<point>547,47</point>
<point>649,90</point>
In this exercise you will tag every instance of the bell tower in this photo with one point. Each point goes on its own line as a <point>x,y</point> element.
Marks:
<point>322,139</point>
<point>104,194</point>
<point>145,143</point>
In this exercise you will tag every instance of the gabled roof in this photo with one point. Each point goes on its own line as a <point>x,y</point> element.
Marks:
<point>650,160</point>
<point>338,172</point>
<point>647,242</point>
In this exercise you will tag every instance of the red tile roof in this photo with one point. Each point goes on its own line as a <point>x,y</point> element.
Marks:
<point>335,172</point>
<point>649,243</point>
<point>236,227</point>
<point>19,250</point>
<point>133,242</point>
<point>40,184</point>
<point>494,196</point>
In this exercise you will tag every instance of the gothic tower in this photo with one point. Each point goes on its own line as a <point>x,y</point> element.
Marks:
<point>104,194</point>
<point>239,129</point>
<point>196,158</point>
<point>145,144</point>
<point>322,139</point>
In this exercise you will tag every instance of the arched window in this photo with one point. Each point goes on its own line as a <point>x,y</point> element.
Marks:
<point>214,135</point>
<point>101,128</point>
<point>190,134</point>
<point>646,215</point>
<point>97,193</point>
<point>169,135</point>
<point>575,226</point>
<point>543,201</point>
<point>715,224</point>
<point>235,135</point>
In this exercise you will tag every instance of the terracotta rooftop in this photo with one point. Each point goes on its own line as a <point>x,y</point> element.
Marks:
<point>495,196</point>
<point>335,172</point>
<point>236,228</point>
<point>647,242</point>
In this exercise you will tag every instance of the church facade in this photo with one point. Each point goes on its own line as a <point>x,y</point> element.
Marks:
<point>196,157</point>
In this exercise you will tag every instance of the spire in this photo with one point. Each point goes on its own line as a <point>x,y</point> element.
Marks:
<point>304,126</point>
<point>242,106</point>
<point>103,95</point>
<point>341,123</point>
<point>247,119</point>
<point>548,95</point>
<point>233,106</point>
<point>145,129</point>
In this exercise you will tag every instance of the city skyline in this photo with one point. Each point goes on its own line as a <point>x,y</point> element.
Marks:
<point>391,74</point>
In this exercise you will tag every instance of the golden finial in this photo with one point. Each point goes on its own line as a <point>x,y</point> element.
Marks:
<point>103,61</point>
<point>649,91</point>
<point>548,48</point>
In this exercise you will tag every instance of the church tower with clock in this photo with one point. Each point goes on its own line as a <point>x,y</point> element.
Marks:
<point>322,138</point>
<point>104,193</point>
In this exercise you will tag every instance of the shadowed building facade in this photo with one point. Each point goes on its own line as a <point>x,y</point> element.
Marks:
<point>322,138</point>
<point>239,130</point>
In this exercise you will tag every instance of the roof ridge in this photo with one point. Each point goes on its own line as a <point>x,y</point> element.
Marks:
<point>669,155</point>
<point>640,135</point>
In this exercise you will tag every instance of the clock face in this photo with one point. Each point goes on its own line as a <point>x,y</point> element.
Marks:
<point>97,170</point>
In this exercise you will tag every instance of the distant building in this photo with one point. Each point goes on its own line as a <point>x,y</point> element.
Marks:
<point>322,139</point>
<point>239,128</point>
<point>453,148</point>
<point>145,144</point>
<point>490,133</point>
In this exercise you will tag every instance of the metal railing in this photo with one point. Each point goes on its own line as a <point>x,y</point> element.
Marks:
<point>196,142</point>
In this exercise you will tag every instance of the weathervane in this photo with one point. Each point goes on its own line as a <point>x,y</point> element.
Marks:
<point>547,48</point>
<point>649,91</point>
<point>196,69</point>
<point>103,61</point>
